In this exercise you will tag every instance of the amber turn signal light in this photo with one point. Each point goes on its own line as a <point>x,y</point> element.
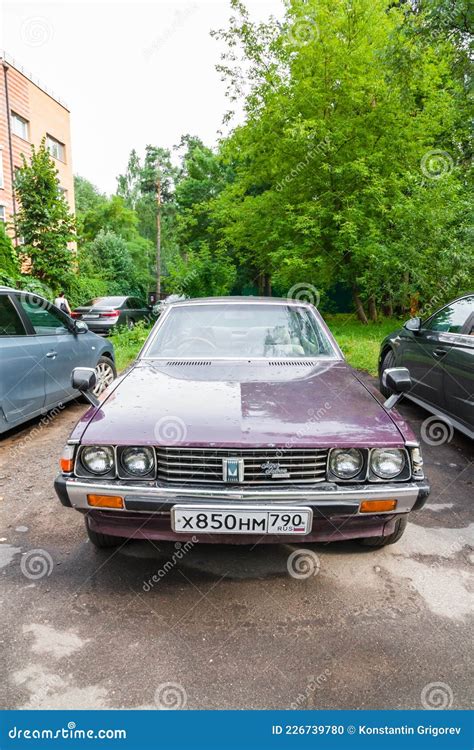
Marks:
<point>105,501</point>
<point>377,506</point>
<point>66,461</point>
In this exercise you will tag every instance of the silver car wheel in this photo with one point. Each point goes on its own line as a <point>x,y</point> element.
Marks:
<point>105,376</point>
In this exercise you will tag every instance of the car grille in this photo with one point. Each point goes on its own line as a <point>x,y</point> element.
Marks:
<point>260,465</point>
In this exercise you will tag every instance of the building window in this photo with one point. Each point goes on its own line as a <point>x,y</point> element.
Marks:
<point>19,126</point>
<point>2,184</point>
<point>55,148</point>
<point>3,213</point>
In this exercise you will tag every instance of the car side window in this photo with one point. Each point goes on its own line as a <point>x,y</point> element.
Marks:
<point>45,319</point>
<point>452,318</point>
<point>10,322</point>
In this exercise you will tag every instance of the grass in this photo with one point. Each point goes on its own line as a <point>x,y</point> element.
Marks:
<point>360,344</point>
<point>127,344</point>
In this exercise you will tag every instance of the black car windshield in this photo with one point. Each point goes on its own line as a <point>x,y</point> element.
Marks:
<point>246,330</point>
<point>105,302</point>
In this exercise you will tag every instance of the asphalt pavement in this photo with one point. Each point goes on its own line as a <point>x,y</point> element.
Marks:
<point>228,627</point>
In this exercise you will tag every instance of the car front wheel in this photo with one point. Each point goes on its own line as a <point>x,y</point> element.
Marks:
<point>102,541</point>
<point>105,374</point>
<point>381,541</point>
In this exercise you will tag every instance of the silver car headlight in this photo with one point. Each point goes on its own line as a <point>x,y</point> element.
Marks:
<point>346,463</point>
<point>387,463</point>
<point>138,461</point>
<point>98,459</point>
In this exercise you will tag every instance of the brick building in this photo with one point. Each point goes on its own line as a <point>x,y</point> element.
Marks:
<point>28,113</point>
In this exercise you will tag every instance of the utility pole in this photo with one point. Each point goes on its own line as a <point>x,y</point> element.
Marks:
<point>158,232</point>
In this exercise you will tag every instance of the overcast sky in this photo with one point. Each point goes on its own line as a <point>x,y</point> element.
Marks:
<point>131,73</point>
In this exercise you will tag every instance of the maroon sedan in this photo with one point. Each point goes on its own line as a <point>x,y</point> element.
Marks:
<point>240,422</point>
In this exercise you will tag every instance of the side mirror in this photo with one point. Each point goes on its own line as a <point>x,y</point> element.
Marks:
<point>84,379</point>
<point>398,380</point>
<point>80,326</point>
<point>414,325</point>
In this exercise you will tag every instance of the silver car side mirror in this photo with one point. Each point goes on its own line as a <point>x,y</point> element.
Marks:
<point>413,325</point>
<point>80,326</point>
<point>84,379</point>
<point>398,380</point>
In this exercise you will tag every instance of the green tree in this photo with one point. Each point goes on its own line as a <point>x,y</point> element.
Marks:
<point>44,221</point>
<point>337,163</point>
<point>111,215</point>
<point>9,265</point>
<point>202,273</point>
<point>87,196</point>
<point>109,252</point>
<point>138,188</point>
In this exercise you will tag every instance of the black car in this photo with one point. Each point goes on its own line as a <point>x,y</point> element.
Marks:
<point>439,353</point>
<point>104,314</point>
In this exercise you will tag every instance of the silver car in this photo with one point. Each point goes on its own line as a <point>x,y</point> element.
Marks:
<point>39,347</point>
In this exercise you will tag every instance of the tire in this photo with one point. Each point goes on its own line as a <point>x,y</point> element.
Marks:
<point>102,541</point>
<point>387,362</point>
<point>381,541</point>
<point>130,324</point>
<point>105,373</point>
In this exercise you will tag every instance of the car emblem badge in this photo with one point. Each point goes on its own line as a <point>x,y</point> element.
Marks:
<point>233,469</point>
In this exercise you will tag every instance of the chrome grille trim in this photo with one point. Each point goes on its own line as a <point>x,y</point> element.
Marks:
<point>203,465</point>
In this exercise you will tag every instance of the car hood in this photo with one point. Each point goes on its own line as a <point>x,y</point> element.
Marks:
<point>240,404</point>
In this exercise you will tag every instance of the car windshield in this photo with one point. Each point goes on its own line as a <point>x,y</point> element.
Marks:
<point>105,301</point>
<point>235,331</point>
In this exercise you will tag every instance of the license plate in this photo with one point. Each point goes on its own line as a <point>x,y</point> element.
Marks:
<point>91,316</point>
<point>192,519</point>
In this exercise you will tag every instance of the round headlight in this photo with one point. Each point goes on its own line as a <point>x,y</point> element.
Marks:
<point>138,461</point>
<point>98,459</point>
<point>387,463</point>
<point>346,463</point>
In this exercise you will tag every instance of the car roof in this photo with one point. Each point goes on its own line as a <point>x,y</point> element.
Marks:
<point>8,289</point>
<point>238,300</point>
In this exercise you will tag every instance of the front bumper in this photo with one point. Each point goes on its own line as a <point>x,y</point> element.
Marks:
<point>147,508</point>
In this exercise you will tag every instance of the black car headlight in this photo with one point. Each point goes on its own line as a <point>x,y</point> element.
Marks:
<point>346,463</point>
<point>387,463</point>
<point>138,461</point>
<point>98,459</point>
